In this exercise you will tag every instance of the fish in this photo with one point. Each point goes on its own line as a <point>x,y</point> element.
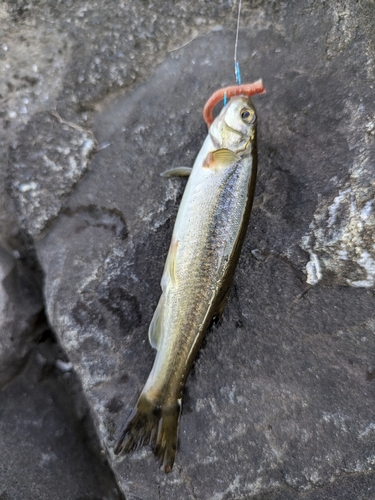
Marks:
<point>206,242</point>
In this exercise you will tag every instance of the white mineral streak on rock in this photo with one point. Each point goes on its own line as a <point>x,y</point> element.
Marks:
<point>3,295</point>
<point>87,147</point>
<point>60,166</point>
<point>50,164</point>
<point>368,264</point>
<point>52,49</point>
<point>64,366</point>
<point>240,484</point>
<point>370,429</point>
<point>159,215</point>
<point>337,419</point>
<point>313,269</point>
<point>333,209</point>
<point>343,28</point>
<point>28,186</point>
<point>342,233</point>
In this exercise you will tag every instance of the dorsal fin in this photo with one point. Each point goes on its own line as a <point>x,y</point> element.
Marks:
<point>177,172</point>
<point>220,158</point>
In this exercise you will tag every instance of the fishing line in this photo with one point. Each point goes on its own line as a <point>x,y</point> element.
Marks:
<point>237,70</point>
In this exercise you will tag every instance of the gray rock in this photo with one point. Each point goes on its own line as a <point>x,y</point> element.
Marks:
<point>48,449</point>
<point>33,58</point>
<point>49,446</point>
<point>280,401</point>
<point>20,307</point>
<point>59,153</point>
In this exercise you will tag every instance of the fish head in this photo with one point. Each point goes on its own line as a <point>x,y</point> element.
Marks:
<point>235,127</point>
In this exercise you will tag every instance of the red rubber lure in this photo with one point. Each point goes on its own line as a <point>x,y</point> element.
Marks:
<point>247,89</point>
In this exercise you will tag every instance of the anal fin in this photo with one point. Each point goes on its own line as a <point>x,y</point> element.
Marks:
<point>155,330</point>
<point>170,264</point>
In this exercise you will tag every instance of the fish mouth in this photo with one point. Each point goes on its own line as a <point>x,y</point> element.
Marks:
<point>239,151</point>
<point>247,89</point>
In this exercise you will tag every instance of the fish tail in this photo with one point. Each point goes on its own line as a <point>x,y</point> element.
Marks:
<point>155,425</point>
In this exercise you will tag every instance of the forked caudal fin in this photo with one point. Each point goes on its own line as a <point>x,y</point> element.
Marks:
<point>154,425</point>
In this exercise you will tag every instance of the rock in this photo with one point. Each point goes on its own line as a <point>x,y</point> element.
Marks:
<point>20,307</point>
<point>48,448</point>
<point>33,58</point>
<point>48,442</point>
<point>341,239</point>
<point>280,401</point>
<point>59,152</point>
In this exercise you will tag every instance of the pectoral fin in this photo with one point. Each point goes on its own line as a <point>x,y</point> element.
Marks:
<point>220,158</point>
<point>177,172</point>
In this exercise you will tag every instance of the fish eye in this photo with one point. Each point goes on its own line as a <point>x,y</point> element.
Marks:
<point>247,115</point>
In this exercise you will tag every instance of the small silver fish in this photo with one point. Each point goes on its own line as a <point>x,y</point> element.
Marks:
<point>206,243</point>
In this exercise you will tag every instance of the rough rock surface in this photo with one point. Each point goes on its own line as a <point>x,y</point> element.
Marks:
<point>60,152</point>
<point>45,453</point>
<point>20,308</point>
<point>49,447</point>
<point>280,401</point>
